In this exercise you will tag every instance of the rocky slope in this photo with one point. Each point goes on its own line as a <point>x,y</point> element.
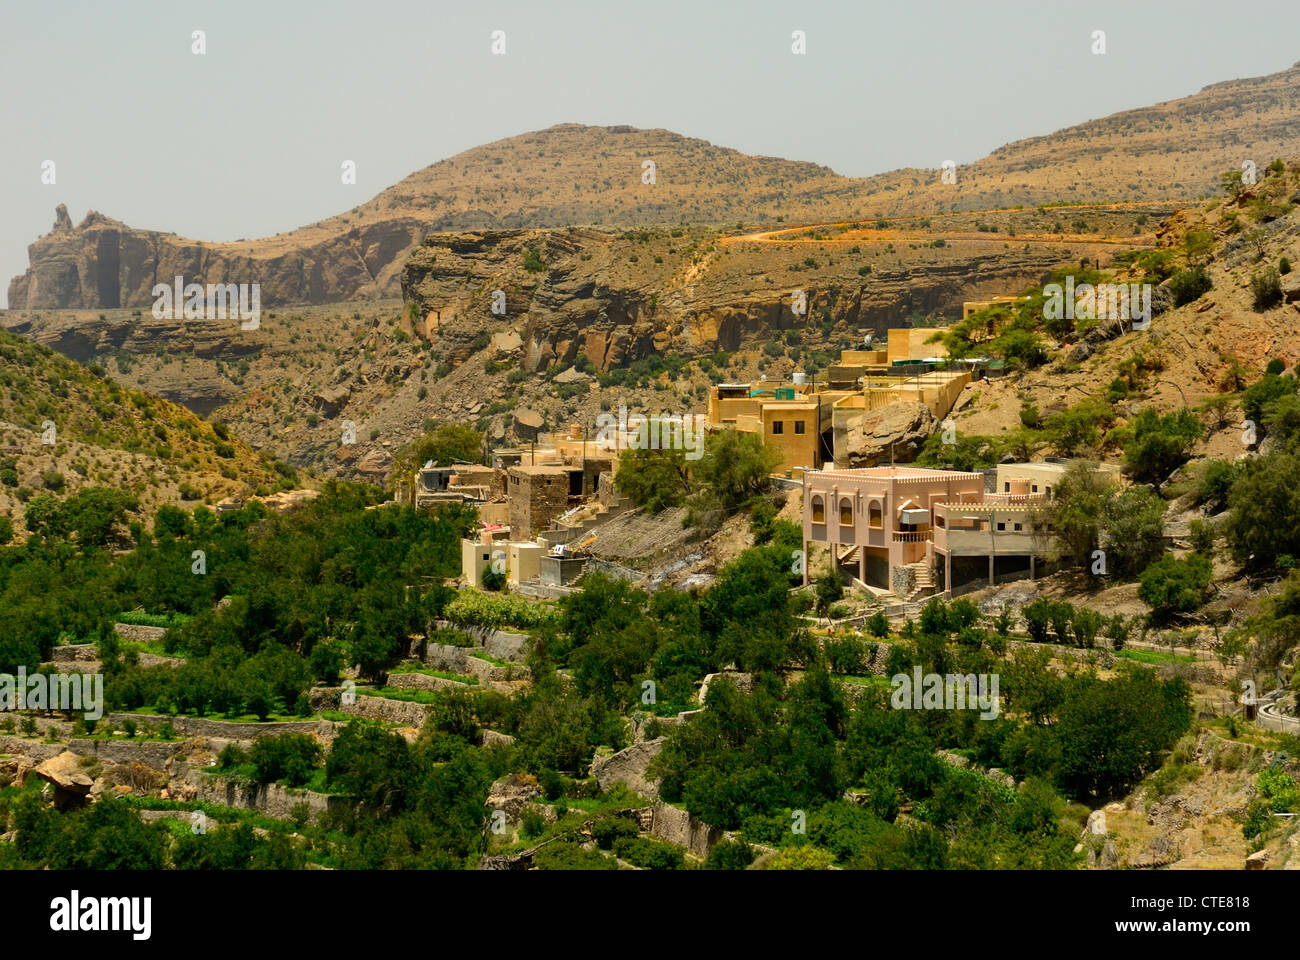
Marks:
<point>572,174</point>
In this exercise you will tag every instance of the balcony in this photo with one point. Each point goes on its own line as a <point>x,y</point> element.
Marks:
<point>913,536</point>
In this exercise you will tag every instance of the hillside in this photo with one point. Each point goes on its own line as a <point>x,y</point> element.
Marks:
<point>591,318</point>
<point>105,435</point>
<point>571,175</point>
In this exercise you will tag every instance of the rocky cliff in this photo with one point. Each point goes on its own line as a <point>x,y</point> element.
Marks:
<point>103,263</point>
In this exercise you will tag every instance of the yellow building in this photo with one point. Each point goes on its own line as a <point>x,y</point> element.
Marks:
<point>972,306</point>
<point>789,417</point>
<point>909,343</point>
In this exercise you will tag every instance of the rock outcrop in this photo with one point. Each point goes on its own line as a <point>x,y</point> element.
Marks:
<point>628,767</point>
<point>900,429</point>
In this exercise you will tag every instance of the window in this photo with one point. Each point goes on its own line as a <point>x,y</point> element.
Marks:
<point>798,426</point>
<point>486,557</point>
<point>846,512</point>
<point>778,426</point>
<point>818,510</point>
<point>1002,526</point>
<point>1034,488</point>
<point>1006,486</point>
<point>875,518</point>
<point>1016,527</point>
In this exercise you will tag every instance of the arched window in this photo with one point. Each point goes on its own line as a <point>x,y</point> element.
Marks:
<point>818,510</point>
<point>846,512</point>
<point>875,516</point>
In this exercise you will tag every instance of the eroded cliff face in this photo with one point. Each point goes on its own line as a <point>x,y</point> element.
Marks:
<point>103,263</point>
<point>615,298</point>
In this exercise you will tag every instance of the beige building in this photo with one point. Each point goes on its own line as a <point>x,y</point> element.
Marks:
<point>906,529</point>
<point>909,344</point>
<point>792,418</point>
<point>878,521</point>
<point>973,306</point>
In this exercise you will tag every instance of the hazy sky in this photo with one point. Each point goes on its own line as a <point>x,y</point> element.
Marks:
<point>247,140</point>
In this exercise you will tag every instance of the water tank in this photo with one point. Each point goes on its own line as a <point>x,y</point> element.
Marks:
<point>800,378</point>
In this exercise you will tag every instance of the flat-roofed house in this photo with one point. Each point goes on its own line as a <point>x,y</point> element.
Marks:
<point>880,519</point>
<point>907,529</point>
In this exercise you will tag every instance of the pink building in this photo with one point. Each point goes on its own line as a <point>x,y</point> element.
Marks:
<point>907,529</point>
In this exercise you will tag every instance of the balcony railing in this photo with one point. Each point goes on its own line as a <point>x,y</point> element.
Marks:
<point>913,536</point>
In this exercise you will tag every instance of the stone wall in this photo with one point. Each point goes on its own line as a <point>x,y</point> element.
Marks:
<point>678,827</point>
<point>495,643</point>
<point>422,681</point>
<point>272,799</point>
<point>405,713</point>
<point>137,633</point>
<point>443,656</point>
<point>203,727</point>
<point>153,753</point>
<point>628,767</point>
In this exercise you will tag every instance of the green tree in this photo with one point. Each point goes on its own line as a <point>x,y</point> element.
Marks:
<point>1159,444</point>
<point>654,479</point>
<point>1172,586</point>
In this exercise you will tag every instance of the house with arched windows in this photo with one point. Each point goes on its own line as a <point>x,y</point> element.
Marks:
<point>909,530</point>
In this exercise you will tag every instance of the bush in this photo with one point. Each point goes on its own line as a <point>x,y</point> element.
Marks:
<point>878,624</point>
<point>1214,484</point>
<point>291,757</point>
<point>570,856</point>
<point>1266,288</point>
<point>1171,586</point>
<point>846,655</point>
<point>1038,616</point>
<point>649,854</point>
<point>608,832</point>
<point>1189,285</point>
<point>1201,534</point>
<point>730,855</point>
<point>802,857</point>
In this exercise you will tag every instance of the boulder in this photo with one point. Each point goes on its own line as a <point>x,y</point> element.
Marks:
<point>71,785</point>
<point>512,793</point>
<point>1291,287</point>
<point>867,440</point>
<point>528,424</point>
<point>628,767</point>
<point>332,399</point>
<point>572,375</point>
<point>1257,860</point>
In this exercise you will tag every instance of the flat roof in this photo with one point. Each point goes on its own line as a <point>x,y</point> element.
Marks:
<point>542,469</point>
<point>901,473</point>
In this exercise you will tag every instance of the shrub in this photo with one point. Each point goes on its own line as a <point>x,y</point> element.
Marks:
<point>1189,285</point>
<point>1118,629</point>
<point>1038,616</point>
<point>802,857</point>
<point>608,832</point>
<point>1171,586</point>
<point>730,855</point>
<point>649,854</point>
<point>878,624</point>
<point>1266,288</point>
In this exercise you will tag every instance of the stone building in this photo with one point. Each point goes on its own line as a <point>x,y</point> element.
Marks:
<point>537,495</point>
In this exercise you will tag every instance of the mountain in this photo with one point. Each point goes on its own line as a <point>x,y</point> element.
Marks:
<point>571,175</point>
